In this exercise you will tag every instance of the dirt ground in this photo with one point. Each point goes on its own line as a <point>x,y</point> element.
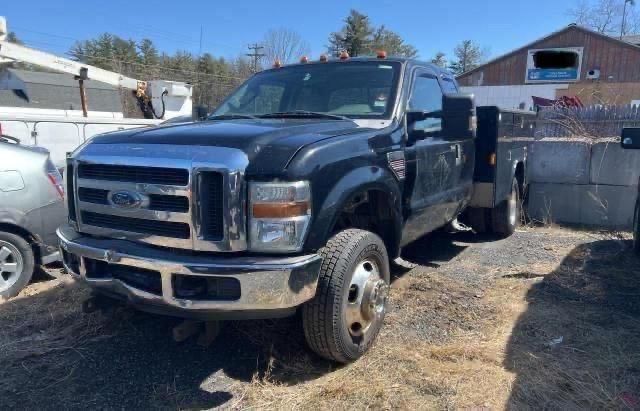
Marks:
<point>547,319</point>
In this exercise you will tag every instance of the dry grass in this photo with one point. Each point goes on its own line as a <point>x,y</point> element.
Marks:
<point>38,326</point>
<point>405,369</point>
<point>509,361</point>
<point>446,344</point>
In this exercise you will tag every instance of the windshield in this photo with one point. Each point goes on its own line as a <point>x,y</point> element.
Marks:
<point>353,89</point>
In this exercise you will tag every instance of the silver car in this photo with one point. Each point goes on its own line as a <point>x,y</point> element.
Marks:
<point>31,209</point>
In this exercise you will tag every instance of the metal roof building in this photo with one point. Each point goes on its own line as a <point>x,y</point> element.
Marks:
<point>571,62</point>
<point>42,90</point>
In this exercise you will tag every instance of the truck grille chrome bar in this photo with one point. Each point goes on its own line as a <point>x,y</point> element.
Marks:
<point>157,202</point>
<point>150,175</point>
<point>171,196</point>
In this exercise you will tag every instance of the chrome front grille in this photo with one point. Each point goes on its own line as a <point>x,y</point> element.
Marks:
<point>149,175</point>
<point>210,203</point>
<point>137,225</point>
<point>157,202</point>
<point>174,196</point>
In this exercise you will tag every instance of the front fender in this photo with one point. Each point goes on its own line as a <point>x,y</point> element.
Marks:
<point>356,181</point>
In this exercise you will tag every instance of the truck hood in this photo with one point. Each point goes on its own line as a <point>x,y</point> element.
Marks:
<point>269,144</point>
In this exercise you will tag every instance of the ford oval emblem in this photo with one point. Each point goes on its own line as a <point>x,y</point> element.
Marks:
<point>125,199</point>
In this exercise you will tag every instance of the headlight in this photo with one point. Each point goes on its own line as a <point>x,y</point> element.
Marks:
<point>279,216</point>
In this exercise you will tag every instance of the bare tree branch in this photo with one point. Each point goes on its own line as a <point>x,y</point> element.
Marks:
<point>284,45</point>
<point>606,16</point>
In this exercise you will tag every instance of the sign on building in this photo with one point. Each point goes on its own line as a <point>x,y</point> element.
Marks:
<point>554,65</point>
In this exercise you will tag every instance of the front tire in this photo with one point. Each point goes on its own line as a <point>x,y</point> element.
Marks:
<point>17,262</point>
<point>346,315</point>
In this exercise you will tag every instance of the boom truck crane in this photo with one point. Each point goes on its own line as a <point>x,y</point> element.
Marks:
<point>157,99</point>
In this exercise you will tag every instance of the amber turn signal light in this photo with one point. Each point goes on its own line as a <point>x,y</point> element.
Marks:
<point>280,210</point>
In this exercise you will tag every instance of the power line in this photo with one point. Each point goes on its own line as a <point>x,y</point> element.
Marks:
<point>255,55</point>
<point>41,33</point>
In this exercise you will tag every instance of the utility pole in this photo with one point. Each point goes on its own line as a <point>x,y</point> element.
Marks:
<point>624,16</point>
<point>199,94</point>
<point>255,55</point>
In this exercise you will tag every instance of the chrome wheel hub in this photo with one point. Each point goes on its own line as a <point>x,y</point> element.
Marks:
<point>513,208</point>
<point>366,299</point>
<point>10,265</point>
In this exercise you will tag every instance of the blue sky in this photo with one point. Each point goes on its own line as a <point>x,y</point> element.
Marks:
<point>228,26</point>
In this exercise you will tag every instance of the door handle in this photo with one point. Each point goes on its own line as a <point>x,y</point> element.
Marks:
<point>457,149</point>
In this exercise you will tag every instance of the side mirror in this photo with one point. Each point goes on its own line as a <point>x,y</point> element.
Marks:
<point>200,113</point>
<point>458,116</point>
<point>631,138</point>
<point>415,116</point>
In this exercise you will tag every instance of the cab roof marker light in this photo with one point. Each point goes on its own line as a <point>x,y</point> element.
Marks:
<point>304,60</point>
<point>381,54</point>
<point>344,55</point>
<point>277,64</point>
<point>323,58</point>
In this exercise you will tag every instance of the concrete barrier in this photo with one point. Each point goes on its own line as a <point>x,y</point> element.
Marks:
<point>583,182</point>
<point>612,165</point>
<point>560,161</point>
<point>589,204</point>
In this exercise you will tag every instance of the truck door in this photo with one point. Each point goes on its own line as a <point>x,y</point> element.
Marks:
<point>465,156</point>
<point>431,163</point>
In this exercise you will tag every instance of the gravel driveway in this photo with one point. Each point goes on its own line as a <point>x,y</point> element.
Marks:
<point>54,356</point>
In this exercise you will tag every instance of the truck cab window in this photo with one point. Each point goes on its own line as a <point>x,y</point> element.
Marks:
<point>426,96</point>
<point>449,86</point>
<point>262,99</point>
<point>359,90</point>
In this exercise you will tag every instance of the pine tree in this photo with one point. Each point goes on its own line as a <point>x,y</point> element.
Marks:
<point>468,56</point>
<point>148,53</point>
<point>102,50</point>
<point>439,60</point>
<point>359,37</point>
<point>354,37</point>
<point>391,42</point>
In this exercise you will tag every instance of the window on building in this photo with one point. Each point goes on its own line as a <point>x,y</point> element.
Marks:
<point>556,59</point>
<point>554,65</point>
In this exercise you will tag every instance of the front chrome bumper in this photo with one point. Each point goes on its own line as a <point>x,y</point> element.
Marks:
<point>269,287</point>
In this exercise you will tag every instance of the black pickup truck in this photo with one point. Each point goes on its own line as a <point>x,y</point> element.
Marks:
<point>296,193</point>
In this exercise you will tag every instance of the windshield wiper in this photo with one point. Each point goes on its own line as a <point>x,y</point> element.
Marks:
<point>231,117</point>
<point>302,113</point>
